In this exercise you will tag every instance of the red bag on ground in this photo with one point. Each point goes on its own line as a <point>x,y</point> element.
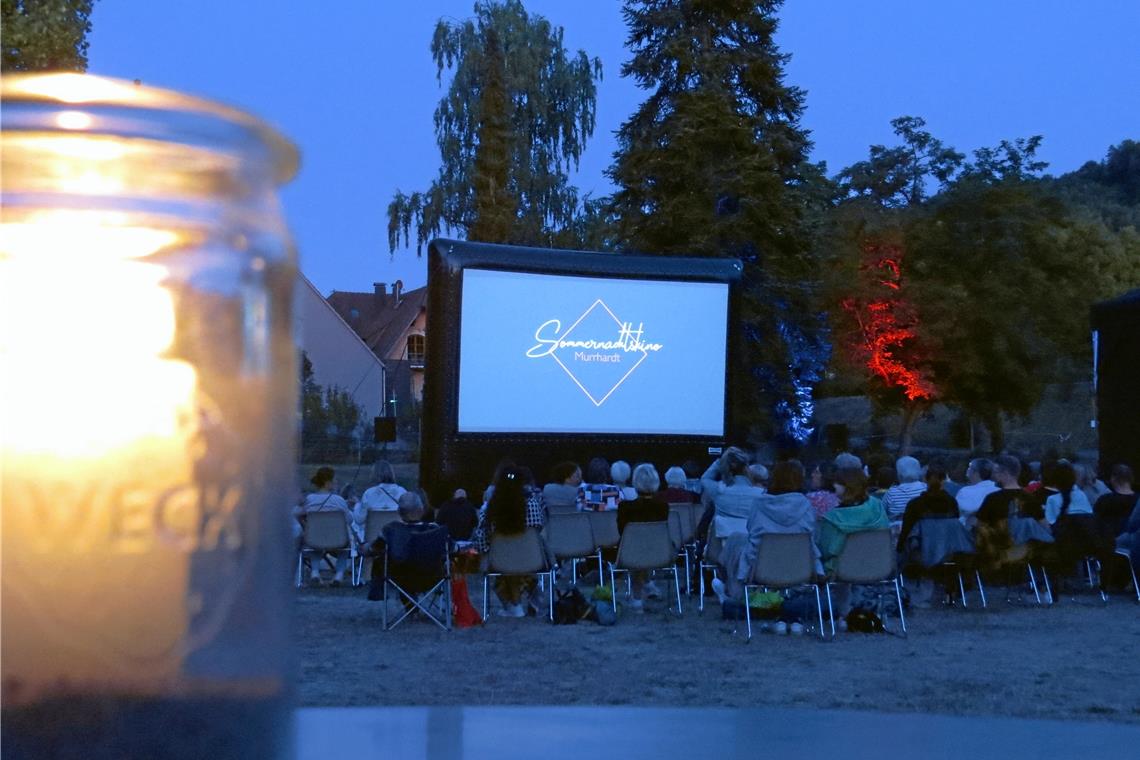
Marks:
<point>463,613</point>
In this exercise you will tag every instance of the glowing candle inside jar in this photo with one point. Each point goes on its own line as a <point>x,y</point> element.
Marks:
<point>98,423</point>
<point>147,423</point>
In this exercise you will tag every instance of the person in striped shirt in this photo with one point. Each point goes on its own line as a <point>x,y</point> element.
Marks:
<point>909,486</point>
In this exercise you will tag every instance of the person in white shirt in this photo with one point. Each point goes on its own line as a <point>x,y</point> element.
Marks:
<point>979,485</point>
<point>909,486</point>
<point>385,495</point>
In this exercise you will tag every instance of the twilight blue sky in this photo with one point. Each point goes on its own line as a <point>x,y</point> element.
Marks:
<point>353,83</point>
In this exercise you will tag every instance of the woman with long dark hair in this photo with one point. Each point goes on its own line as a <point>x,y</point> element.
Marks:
<point>514,506</point>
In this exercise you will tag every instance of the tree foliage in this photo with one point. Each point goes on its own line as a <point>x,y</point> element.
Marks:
<point>999,264</point>
<point>515,119</point>
<point>45,35</point>
<point>330,420</point>
<point>714,163</point>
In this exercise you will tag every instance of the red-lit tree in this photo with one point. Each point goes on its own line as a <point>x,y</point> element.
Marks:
<point>883,335</point>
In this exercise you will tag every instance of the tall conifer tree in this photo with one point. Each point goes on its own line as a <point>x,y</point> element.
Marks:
<point>714,163</point>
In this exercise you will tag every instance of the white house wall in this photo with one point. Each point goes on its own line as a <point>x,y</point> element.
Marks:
<point>338,355</point>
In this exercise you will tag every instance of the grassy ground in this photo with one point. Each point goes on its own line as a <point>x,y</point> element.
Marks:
<point>1078,660</point>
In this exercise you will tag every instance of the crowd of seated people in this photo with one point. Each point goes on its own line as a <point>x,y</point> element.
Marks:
<point>1055,502</point>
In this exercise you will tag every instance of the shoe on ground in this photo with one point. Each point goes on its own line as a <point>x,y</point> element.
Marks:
<point>780,628</point>
<point>718,589</point>
<point>511,611</point>
<point>314,581</point>
<point>637,606</point>
<point>841,625</point>
<point>652,590</point>
<point>796,629</point>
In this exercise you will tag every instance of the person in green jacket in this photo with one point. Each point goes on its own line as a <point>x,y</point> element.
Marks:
<point>857,512</point>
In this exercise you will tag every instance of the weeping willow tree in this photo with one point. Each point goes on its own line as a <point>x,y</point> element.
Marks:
<point>514,121</point>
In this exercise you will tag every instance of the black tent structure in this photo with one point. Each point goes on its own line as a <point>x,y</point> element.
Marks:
<point>1116,357</point>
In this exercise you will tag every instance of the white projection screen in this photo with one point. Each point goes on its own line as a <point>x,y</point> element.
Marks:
<point>552,353</point>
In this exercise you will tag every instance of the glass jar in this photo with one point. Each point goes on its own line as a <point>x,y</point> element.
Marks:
<point>147,423</point>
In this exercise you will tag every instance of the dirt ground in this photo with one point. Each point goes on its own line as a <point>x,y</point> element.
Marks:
<point>1078,660</point>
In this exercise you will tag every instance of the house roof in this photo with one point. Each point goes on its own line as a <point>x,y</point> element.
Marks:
<point>379,319</point>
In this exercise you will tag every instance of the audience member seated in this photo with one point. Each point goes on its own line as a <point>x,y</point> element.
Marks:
<point>325,499</point>
<point>561,494</point>
<point>1129,538</point>
<point>384,496</point>
<point>597,492</point>
<point>1069,513</point>
<point>732,494</point>
<point>820,493</point>
<point>458,515</point>
<point>692,477</point>
<point>620,472</point>
<point>931,502</point>
<point>1113,508</point>
<point>514,506</point>
<point>882,480</point>
<point>1092,486</point>
<point>992,535</point>
<point>910,485</point>
<point>647,507</point>
<point>955,476</point>
<point>410,573</point>
<point>978,486</point>
<point>677,493</point>
<point>858,511</point>
<point>758,474</point>
<point>846,460</point>
<point>783,509</point>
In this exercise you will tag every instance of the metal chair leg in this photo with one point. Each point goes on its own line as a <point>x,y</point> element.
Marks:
<point>830,608</point>
<point>1048,587</point>
<point>748,612</point>
<point>962,590</point>
<point>484,597</point>
<point>981,588</point>
<point>550,597</point>
<point>613,589</point>
<point>677,587</point>
<point>1033,583</point>
<point>902,615</point>
<point>819,611</point>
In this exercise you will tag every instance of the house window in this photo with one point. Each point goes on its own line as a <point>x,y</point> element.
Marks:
<point>416,350</point>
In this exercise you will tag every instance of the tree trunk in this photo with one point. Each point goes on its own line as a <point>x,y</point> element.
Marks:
<point>906,435</point>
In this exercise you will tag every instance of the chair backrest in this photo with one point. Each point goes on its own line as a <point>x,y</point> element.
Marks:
<point>685,524</point>
<point>784,559</point>
<point>326,531</point>
<point>867,556</point>
<point>519,554</point>
<point>676,530</point>
<point>375,521</point>
<point>421,546</point>
<point>569,535</point>
<point>604,525</point>
<point>645,546</point>
<point>561,509</point>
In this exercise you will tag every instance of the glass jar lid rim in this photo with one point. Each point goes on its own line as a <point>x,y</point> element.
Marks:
<point>86,92</point>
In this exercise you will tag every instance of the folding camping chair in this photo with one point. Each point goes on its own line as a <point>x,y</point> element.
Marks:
<point>417,566</point>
